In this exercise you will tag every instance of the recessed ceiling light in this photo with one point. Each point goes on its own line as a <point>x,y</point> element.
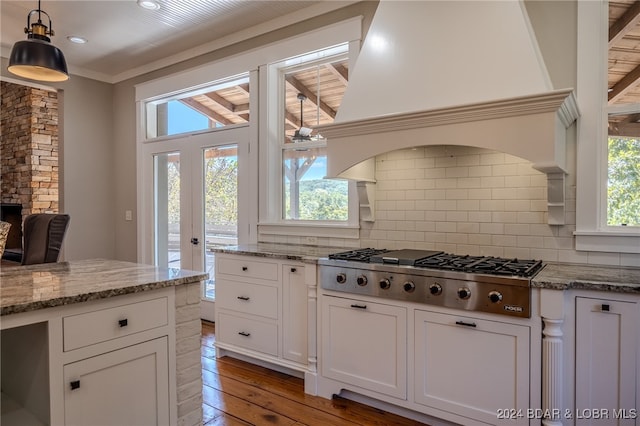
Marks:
<point>77,39</point>
<point>149,4</point>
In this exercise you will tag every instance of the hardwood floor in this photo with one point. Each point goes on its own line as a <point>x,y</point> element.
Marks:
<point>238,393</point>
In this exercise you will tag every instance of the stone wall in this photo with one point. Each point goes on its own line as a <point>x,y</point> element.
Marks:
<point>29,148</point>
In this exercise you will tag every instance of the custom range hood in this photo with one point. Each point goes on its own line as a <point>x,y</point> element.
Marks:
<point>451,73</point>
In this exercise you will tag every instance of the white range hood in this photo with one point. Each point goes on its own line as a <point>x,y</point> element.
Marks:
<point>452,73</point>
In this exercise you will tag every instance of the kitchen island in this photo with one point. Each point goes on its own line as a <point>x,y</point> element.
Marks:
<point>100,341</point>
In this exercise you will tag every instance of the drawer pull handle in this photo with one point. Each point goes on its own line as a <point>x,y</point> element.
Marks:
<point>466,324</point>
<point>244,333</point>
<point>605,307</point>
<point>293,269</point>
<point>244,268</point>
<point>123,322</point>
<point>243,298</point>
<point>359,306</point>
<point>75,384</point>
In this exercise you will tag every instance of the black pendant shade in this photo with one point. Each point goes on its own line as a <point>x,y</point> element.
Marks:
<point>36,58</point>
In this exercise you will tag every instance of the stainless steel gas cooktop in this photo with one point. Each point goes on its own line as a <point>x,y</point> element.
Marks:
<point>475,283</point>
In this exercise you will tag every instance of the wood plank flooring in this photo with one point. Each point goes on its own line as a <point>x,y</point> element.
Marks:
<point>239,393</point>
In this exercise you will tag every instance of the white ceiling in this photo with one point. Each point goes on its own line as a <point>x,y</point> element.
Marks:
<point>126,40</point>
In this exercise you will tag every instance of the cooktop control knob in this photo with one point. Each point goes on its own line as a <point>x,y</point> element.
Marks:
<point>385,283</point>
<point>495,296</point>
<point>341,278</point>
<point>361,280</point>
<point>409,286</point>
<point>464,293</point>
<point>435,289</point>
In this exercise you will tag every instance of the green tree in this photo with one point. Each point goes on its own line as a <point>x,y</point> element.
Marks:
<point>623,190</point>
<point>221,191</point>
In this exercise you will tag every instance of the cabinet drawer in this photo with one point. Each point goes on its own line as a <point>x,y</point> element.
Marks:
<point>248,333</point>
<point>246,266</point>
<point>248,298</point>
<point>99,326</point>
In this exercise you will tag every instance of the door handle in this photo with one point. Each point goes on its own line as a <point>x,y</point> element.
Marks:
<point>195,241</point>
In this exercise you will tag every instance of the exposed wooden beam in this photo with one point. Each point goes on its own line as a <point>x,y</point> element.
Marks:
<point>206,111</point>
<point>340,71</point>
<point>624,85</point>
<point>229,106</point>
<point>244,86</point>
<point>296,84</point>
<point>624,24</point>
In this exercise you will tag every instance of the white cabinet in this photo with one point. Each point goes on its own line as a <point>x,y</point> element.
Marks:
<point>294,314</point>
<point>124,387</point>
<point>471,367</point>
<point>364,344</point>
<point>607,361</point>
<point>104,362</point>
<point>263,310</point>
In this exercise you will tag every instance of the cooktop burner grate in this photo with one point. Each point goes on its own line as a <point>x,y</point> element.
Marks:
<point>446,261</point>
<point>358,255</point>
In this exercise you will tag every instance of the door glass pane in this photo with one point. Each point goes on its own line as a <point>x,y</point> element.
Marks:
<point>220,204</point>
<point>167,209</point>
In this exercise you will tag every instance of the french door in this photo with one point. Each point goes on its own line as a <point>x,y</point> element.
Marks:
<point>195,191</point>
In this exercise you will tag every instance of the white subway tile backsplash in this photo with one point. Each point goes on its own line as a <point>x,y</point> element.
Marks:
<point>467,228</point>
<point>445,227</point>
<point>479,171</point>
<point>457,172</point>
<point>480,216</point>
<point>492,181</point>
<point>504,217</point>
<point>504,170</point>
<point>468,205</point>
<point>457,194</point>
<point>490,158</point>
<point>457,216</point>
<point>469,200</point>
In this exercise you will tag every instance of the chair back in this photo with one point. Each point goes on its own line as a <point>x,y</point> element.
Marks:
<point>43,236</point>
<point>4,232</point>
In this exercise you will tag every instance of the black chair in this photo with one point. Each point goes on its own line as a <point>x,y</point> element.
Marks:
<point>43,236</point>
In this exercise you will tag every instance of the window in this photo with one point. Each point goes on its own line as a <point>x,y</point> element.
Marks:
<point>607,157</point>
<point>623,171</point>
<point>308,89</point>
<point>226,103</point>
<point>312,94</point>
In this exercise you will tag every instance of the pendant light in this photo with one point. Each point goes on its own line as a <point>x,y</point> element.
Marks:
<point>303,133</point>
<point>36,58</point>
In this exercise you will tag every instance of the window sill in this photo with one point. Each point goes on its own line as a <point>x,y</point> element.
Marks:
<point>608,241</point>
<point>308,229</point>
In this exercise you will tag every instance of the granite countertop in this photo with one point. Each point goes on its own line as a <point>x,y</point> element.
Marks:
<point>303,253</point>
<point>556,276</point>
<point>568,276</point>
<point>33,287</point>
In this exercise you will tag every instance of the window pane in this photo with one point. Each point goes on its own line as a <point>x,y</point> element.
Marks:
<point>312,97</point>
<point>623,188</point>
<point>215,106</point>
<point>167,209</point>
<point>220,205</point>
<point>307,196</point>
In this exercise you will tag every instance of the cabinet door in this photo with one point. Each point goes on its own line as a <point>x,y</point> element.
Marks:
<point>129,386</point>
<point>606,360</point>
<point>471,367</point>
<point>294,314</point>
<point>364,344</point>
